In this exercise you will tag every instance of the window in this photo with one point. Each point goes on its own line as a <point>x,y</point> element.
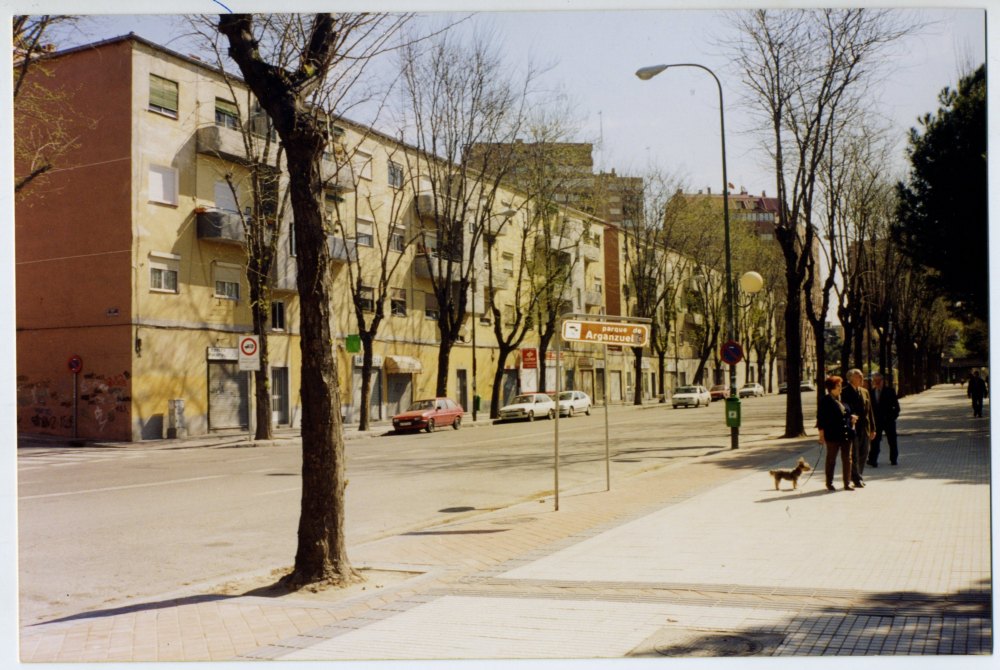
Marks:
<point>363,164</point>
<point>395,174</point>
<point>397,301</point>
<point>291,238</point>
<point>508,264</point>
<point>508,315</point>
<point>227,114</point>
<point>163,271</point>
<point>163,184</point>
<point>260,123</point>
<point>277,315</point>
<point>163,96</point>
<point>431,306</point>
<point>367,299</point>
<point>397,239</point>
<point>227,280</point>
<point>364,236</point>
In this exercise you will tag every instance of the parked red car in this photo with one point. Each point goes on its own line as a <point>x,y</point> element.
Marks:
<point>719,392</point>
<point>429,414</point>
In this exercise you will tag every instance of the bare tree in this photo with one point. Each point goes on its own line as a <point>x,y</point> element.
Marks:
<point>289,90</point>
<point>802,69</point>
<point>458,95</point>
<point>43,123</point>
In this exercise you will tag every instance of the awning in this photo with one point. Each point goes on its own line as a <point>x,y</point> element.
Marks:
<point>402,364</point>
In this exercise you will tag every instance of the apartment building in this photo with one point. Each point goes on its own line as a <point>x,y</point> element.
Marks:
<point>131,260</point>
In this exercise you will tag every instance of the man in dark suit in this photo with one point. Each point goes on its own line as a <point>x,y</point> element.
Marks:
<point>977,391</point>
<point>857,398</point>
<point>885,407</point>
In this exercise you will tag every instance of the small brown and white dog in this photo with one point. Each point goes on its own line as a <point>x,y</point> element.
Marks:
<point>790,475</point>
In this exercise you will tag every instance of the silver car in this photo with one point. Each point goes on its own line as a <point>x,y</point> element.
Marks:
<point>572,403</point>
<point>529,406</point>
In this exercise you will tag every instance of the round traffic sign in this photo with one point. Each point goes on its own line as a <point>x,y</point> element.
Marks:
<point>732,352</point>
<point>248,345</point>
<point>75,364</point>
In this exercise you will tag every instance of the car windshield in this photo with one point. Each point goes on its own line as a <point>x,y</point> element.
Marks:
<point>421,405</point>
<point>523,400</point>
<point>566,395</point>
<point>749,386</point>
<point>687,389</point>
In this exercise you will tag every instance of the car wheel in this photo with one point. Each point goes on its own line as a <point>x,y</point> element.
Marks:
<point>457,423</point>
<point>552,414</point>
<point>430,425</point>
<point>531,416</point>
<point>572,411</point>
<point>587,412</point>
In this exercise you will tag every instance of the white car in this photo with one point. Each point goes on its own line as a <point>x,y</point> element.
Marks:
<point>691,396</point>
<point>572,403</point>
<point>751,389</point>
<point>529,406</point>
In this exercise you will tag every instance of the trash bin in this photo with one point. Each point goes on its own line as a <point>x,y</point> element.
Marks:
<point>733,412</point>
<point>475,403</point>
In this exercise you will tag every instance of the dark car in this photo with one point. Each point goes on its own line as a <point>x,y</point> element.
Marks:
<point>807,386</point>
<point>719,392</point>
<point>429,414</point>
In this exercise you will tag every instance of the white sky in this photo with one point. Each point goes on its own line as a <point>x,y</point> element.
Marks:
<point>671,121</point>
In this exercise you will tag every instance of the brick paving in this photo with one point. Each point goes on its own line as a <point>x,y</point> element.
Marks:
<point>698,558</point>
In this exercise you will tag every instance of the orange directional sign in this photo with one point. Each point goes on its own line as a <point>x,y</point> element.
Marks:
<point>606,332</point>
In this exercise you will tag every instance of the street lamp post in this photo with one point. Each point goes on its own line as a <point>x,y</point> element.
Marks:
<point>648,73</point>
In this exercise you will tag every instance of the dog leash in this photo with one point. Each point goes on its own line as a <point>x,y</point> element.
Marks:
<point>819,448</point>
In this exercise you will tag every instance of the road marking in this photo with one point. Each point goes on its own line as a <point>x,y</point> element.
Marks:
<point>120,488</point>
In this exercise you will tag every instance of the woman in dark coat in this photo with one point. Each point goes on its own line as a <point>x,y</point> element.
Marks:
<point>835,423</point>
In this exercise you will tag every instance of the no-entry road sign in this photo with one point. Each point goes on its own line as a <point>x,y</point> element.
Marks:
<point>606,332</point>
<point>249,352</point>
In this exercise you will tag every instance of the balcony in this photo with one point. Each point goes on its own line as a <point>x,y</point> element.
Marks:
<point>216,225</point>
<point>337,179</point>
<point>221,142</point>
<point>283,274</point>
<point>592,298</point>
<point>438,265</point>
<point>341,250</point>
<point>590,252</point>
<point>430,205</point>
<point>501,280</point>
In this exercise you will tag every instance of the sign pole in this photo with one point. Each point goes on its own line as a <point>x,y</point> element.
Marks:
<point>75,378</point>
<point>556,459</point>
<point>607,438</point>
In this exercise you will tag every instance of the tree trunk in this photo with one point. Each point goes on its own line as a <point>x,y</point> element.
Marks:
<point>444,357</point>
<point>262,382</point>
<point>321,554</point>
<point>368,347</point>
<point>502,355</point>
<point>794,423</point>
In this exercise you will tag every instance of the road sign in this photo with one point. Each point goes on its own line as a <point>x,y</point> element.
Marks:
<point>249,349</point>
<point>75,364</point>
<point>606,332</point>
<point>731,353</point>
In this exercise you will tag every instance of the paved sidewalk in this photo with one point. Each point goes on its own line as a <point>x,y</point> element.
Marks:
<point>700,558</point>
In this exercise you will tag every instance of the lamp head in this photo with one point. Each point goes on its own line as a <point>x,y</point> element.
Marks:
<point>751,282</point>
<point>649,72</point>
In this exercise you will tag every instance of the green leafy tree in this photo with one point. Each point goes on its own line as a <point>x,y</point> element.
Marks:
<point>943,205</point>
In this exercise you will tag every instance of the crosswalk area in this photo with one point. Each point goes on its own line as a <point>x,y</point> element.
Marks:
<point>54,457</point>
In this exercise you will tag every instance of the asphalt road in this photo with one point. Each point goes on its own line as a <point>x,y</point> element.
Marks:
<point>105,527</point>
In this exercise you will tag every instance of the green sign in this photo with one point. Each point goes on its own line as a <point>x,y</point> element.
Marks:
<point>353,344</point>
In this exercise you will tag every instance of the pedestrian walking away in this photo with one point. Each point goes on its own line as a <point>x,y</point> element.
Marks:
<point>835,423</point>
<point>856,397</point>
<point>885,407</point>
<point>977,391</point>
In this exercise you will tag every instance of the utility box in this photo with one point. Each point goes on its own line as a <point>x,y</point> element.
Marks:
<point>175,419</point>
<point>733,412</point>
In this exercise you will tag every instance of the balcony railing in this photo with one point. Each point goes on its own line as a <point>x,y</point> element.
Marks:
<point>218,225</point>
<point>590,252</point>
<point>592,298</point>
<point>337,179</point>
<point>341,250</point>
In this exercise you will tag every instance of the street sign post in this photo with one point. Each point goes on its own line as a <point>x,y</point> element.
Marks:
<point>75,365</point>
<point>610,331</point>
<point>249,360</point>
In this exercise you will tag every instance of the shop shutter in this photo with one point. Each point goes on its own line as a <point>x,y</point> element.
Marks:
<point>228,397</point>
